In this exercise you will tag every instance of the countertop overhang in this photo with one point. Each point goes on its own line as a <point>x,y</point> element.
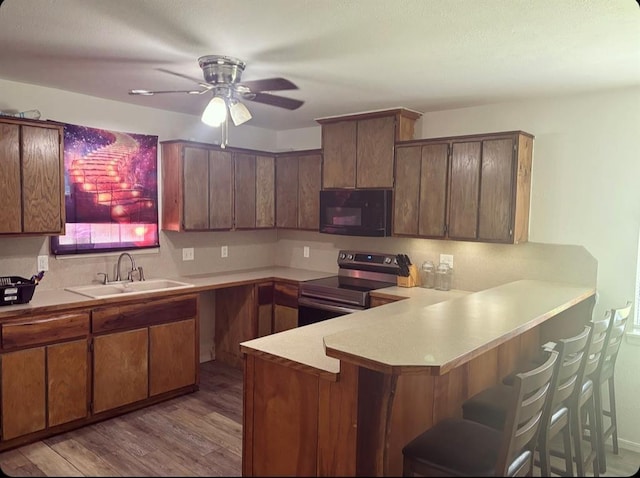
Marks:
<point>433,331</point>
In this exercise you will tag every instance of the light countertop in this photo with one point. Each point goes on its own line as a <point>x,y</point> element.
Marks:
<point>55,299</point>
<point>432,330</point>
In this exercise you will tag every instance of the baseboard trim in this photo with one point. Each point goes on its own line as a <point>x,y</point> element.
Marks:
<point>629,445</point>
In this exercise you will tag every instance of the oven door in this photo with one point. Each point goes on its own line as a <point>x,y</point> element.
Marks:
<point>311,310</point>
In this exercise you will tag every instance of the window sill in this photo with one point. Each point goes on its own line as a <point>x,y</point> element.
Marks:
<point>633,336</point>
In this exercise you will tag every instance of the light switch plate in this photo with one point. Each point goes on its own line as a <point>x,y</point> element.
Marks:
<point>188,254</point>
<point>305,252</point>
<point>447,259</point>
<point>224,251</point>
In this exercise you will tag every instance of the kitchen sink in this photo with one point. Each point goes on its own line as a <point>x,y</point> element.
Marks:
<point>104,291</point>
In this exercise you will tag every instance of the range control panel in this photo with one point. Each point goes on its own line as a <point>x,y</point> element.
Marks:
<point>368,261</point>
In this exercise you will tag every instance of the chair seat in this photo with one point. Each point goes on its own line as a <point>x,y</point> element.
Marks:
<point>439,447</point>
<point>488,406</point>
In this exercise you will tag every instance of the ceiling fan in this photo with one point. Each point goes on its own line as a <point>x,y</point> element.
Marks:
<point>222,77</point>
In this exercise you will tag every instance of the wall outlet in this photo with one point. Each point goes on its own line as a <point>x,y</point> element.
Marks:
<point>305,252</point>
<point>224,251</point>
<point>188,254</point>
<point>447,259</point>
<point>43,263</point>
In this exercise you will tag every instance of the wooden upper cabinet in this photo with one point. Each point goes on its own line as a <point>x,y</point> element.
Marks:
<point>265,191</point>
<point>374,152</point>
<point>298,190</point>
<point>254,191</point>
<point>358,150</point>
<point>197,187</point>
<point>206,188</point>
<point>465,186</point>
<point>287,191</point>
<point>420,192</point>
<point>220,190</point>
<point>473,188</point>
<point>339,151</point>
<point>309,173</point>
<point>31,178</point>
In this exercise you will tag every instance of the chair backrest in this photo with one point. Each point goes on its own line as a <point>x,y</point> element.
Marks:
<point>614,337</point>
<point>571,353</point>
<point>529,396</point>
<point>596,346</point>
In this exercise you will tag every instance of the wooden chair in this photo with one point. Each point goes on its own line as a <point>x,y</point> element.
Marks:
<point>459,447</point>
<point>604,376</point>
<point>489,406</point>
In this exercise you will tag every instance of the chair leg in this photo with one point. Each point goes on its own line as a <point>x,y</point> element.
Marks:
<point>594,438</point>
<point>576,432</point>
<point>596,427</point>
<point>612,414</point>
<point>568,455</point>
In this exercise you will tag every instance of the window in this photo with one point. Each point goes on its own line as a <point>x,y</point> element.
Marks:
<point>111,191</point>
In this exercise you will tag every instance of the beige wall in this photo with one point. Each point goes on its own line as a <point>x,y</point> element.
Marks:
<point>585,206</point>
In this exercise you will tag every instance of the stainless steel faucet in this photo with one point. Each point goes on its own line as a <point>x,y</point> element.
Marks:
<point>133,267</point>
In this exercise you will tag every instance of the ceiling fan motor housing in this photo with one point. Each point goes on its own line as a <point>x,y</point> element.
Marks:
<point>219,69</point>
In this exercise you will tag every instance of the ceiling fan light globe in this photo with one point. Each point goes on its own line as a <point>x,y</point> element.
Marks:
<point>239,113</point>
<point>215,113</point>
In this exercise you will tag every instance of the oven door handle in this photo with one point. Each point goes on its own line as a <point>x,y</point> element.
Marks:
<point>318,304</point>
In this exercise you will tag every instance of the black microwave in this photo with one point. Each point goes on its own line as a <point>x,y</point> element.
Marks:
<point>356,212</point>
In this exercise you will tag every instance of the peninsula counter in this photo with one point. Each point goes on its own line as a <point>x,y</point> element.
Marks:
<point>343,396</point>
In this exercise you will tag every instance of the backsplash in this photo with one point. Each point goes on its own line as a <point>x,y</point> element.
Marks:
<point>477,266</point>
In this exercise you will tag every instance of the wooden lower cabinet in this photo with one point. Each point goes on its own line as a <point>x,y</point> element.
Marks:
<point>35,396</point>
<point>120,369</point>
<point>72,368</point>
<point>172,356</point>
<point>285,306</point>
<point>234,322</point>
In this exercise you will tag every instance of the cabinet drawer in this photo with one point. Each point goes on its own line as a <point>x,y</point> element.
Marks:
<point>43,330</point>
<point>131,316</point>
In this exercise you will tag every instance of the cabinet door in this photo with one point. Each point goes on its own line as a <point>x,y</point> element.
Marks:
<point>433,190</point>
<point>245,191</point>
<point>23,392</point>
<point>196,189</point>
<point>495,217</point>
<point>265,191</point>
<point>374,152</point>
<point>172,356</point>
<point>287,191</point>
<point>339,154</point>
<point>463,196</point>
<point>220,190</point>
<point>67,382</point>
<point>120,369</point>
<point>10,195</point>
<point>309,172</point>
<point>407,191</point>
<point>41,180</point>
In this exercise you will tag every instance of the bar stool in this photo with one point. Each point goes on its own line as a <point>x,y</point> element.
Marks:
<point>459,447</point>
<point>489,406</point>
<point>604,376</point>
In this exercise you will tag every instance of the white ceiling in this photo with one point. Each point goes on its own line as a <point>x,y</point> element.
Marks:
<point>345,56</point>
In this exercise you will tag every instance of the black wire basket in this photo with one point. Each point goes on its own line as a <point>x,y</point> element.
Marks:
<point>16,290</point>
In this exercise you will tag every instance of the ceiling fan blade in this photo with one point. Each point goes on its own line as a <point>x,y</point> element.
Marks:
<point>186,77</point>
<point>151,92</point>
<point>269,84</point>
<point>273,100</point>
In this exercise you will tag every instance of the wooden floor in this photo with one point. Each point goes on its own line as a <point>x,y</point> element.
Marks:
<point>199,434</point>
